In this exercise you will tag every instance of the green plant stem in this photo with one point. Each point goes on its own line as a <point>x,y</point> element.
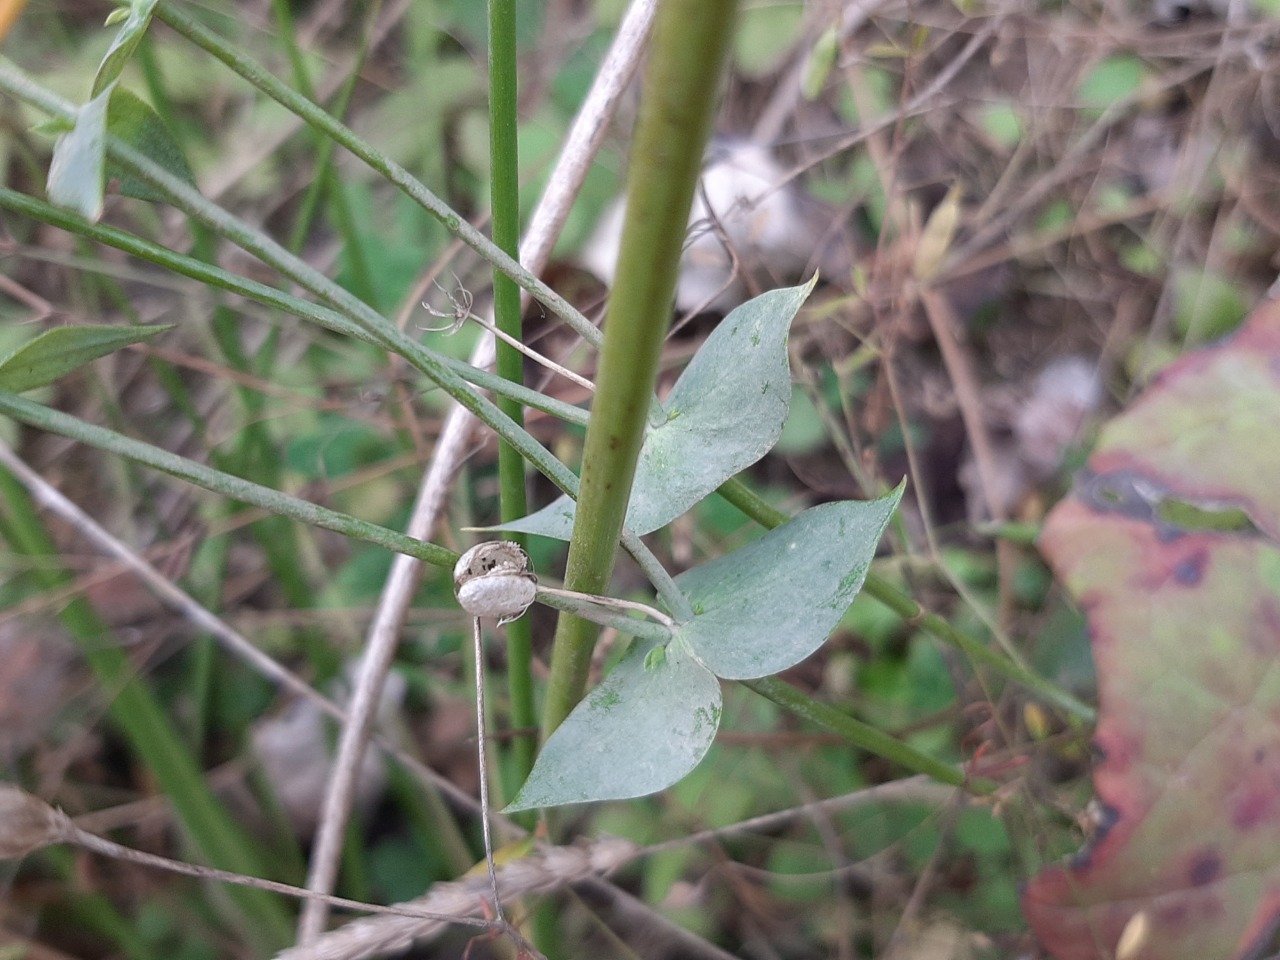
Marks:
<point>911,612</point>
<point>325,180</point>
<point>863,735</point>
<point>504,181</point>
<point>677,603</point>
<point>420,357</point>
<point>318,118</point>
<point>688,49</point>
<point>237,488</point>
<point>386,334</point>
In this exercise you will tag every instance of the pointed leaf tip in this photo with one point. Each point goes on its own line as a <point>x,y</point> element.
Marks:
<point>725,412</point>
<point>766,607</point>
<point>57,352</point>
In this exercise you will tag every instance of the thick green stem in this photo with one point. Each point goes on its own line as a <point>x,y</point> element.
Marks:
<point>504,179</point>
<point>690,41</point>
<point>905,607</point>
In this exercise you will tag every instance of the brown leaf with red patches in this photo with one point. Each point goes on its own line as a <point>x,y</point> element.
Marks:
<point>1183,607</point>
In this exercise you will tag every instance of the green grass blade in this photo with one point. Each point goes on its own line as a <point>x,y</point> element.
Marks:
<point>150,732</point>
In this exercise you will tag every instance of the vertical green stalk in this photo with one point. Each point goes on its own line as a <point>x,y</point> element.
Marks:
<point>505,190</point>
<point>690,43</point>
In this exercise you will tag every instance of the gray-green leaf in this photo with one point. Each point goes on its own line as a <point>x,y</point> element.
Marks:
<point>642,729</point>
<point>725,412</point>
<point>125,42</point>
<point>76,171</point>
<point>134,121</point>
<point>59,351</point>
<point>767,606</point>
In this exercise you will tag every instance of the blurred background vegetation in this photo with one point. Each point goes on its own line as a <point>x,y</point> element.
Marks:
<point>1111,172</point>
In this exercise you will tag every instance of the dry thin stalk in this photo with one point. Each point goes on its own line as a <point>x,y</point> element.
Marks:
<point>918,789</point>
<point>46,496</point>
<point>483,762</point>
<point>28,824</point>
<point>582,144</point>
<point>541,359</point>
<point>786,96</point>
<point>543,871</point>
<point>959,366</point>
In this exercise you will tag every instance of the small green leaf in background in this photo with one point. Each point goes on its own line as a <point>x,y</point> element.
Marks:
<point>76,172</point>
<point>1114,78</point>
<point>642,729</point>
<point>137,17</point>
<point>1207,304</point>
<point>132,120</point>
<point>765,36</point>
<point>1002,122</point>
<point>725,412</point>
<point>767,606</point>
<point>822,58</point>
<point>57,352</point>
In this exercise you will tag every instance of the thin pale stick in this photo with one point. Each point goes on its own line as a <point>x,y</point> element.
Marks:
<point>90,841</point>
<point>611,603</point>
<point>481,754</point>
<point>169,593</point>
<point>582,144</point>
<point>959,367</point>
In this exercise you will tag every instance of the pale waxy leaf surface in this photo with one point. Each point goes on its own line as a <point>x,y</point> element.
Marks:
<point>57,352</point>
<point>724,413</point>
<point>137,17</point>
<point>77,170</point>
<point>767,606</point>
<point>642,729</point>
<point>1183,608</point>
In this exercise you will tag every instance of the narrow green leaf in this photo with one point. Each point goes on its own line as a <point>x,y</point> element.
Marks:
<point>130,35</point>
<point>642,729</point>
<point>767,606</point>
<point>57,352</point>
<point>76,178</point>
<point>725,412</point>
<point>821,61</point>
<point>133,120</point>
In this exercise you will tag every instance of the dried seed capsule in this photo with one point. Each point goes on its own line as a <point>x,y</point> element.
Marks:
<point>495,579</point>
<point>27,823</point>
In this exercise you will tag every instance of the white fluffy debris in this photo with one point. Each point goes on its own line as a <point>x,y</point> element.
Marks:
<point>1042,426</point>
<point>1065,394</point>
<point>743,205</point>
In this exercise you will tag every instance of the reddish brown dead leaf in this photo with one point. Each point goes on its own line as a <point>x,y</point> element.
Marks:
<point>1185,625</point>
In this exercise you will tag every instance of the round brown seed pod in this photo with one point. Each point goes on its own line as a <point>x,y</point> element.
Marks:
<point>495,579</point>
<point>27,823</point>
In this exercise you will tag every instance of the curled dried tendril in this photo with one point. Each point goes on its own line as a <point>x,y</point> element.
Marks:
<point>495,579</point>
<point>461,302</point>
